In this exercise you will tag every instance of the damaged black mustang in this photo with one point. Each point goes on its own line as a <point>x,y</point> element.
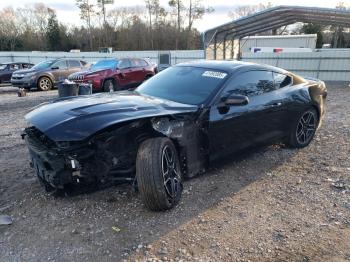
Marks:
<point>171,127</point>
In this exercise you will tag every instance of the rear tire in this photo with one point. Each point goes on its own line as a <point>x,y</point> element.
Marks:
<point>109,85</point>
<point>158,174</point>
<point>44,83</point>
<point>304,129</point>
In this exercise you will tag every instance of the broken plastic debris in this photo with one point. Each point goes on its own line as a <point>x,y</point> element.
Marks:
<point>116,229</point>
<point>5,220</point>
<point>338,184</point>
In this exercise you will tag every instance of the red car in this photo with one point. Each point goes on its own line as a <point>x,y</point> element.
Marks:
<point>116,74</point>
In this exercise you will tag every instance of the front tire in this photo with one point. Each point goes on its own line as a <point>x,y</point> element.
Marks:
<point>158,174</point>
<point>44,83</point>
<point>109,85</point>
<point>304,129</point>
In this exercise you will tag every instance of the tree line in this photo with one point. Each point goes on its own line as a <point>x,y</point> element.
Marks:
<point>148,27</point>
<point>151,27</point>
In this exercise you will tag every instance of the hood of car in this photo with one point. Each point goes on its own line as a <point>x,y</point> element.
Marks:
<point>77,118</point>
<point>86,72</point>
<point>26,71</point>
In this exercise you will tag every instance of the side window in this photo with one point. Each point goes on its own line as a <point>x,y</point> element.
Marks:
<point>14,67</point>
<point>134,63</point>
<point>84,63</point>
<point>125,63</point>
<point>60,64</point>
<point>282,80</point>
<point>250,84</point>
<point>143,63</point>
<point>74,63</point>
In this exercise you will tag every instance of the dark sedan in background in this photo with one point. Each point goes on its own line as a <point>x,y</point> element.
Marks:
<point>46,75</point>
<point>116,74</point>
<point>7,69</point>
<point>172,126</point>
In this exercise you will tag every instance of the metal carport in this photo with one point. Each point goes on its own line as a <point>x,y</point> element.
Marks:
<point>222,42</point>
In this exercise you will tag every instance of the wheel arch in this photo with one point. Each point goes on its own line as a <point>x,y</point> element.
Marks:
<point>187,139</point>
<point>45,75</point>
<point>114,79</point>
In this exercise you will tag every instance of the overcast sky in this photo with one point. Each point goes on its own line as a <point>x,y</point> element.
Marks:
<point>67,12</point>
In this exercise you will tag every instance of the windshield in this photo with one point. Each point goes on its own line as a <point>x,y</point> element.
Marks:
<point>110,63</point>
<point>43,65</point>
<point>183,84</point>
<point>2,67</point>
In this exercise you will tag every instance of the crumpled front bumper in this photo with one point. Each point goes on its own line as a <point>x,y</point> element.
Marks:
<point>53,169</point>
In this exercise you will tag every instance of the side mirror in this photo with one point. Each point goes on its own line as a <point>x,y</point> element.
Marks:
<point>236,100</point>
<point>54,67</point>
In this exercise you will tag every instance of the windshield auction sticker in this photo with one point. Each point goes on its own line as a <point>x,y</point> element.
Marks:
<point>214,74</point>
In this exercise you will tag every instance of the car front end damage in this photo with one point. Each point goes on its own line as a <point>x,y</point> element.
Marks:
<point>110,155</point>
<point>55,166</point>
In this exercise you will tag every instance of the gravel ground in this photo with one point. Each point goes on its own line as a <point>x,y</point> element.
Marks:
<point>7,88</point>
<point>266,204</point>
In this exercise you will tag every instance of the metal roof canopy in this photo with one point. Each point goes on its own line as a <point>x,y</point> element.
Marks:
<point>274,18</point>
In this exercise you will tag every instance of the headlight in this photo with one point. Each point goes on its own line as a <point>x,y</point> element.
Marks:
<point>29,74</point>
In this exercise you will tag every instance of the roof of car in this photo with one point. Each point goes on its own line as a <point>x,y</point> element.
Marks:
<point>230,66</point>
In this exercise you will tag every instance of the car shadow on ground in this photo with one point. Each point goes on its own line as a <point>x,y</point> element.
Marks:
<point>124,210</point>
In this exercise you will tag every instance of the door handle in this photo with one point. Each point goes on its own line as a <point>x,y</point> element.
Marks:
<point>278,104</point>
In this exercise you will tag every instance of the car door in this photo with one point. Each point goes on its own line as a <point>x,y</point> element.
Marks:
<point>125,73</point>
<point>26,66</point>
<point>238,127</point>
<point>11,68</point>
<point>144,70</point>
<point>138,72</point>
<point>60,70</point>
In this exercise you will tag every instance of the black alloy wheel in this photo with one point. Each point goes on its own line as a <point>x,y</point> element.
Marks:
<point>171,173</point>
<point>158,174</point>
<point>306,127</point>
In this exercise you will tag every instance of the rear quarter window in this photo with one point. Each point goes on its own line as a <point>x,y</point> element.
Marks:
<point>251,83</point>
<point>74,63</point>
<point>282,80</point>
<point>143,62</point>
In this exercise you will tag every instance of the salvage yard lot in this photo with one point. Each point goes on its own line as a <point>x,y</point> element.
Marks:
<point>266,204</point>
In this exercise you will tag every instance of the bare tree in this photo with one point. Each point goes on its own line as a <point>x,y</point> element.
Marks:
<point>128,28</point>
<point>196,10</point>
<point>86,12</point>
<point>178,8</point>
<point>114,18</point>
<point>245,10</point>
<point>338,36</point>
<point>150,10</point>
<point>154,11</point>
<point>10,29</point>
<point>102,4</point>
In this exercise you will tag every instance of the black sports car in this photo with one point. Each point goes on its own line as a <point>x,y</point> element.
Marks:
<point>172,126</point>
